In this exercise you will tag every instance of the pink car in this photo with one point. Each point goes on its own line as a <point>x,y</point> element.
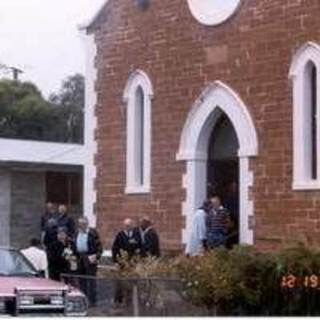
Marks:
<point>22,291</point>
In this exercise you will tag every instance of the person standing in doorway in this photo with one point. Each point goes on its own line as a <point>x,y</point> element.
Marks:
<point>149,239</point>
<point>65,221</point>
<point>47,218</point>
<point>217,223</point>
<point>89,250</point>
<point>197,242</point>
<point>231,202</point>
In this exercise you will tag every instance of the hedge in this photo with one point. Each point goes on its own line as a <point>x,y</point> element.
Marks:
<point>242,281</point>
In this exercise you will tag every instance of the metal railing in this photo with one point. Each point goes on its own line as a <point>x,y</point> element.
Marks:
<point>134,296</point>
<point>168,297</point>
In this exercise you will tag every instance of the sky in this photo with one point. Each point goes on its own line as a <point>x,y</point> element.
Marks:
<point>41,37</point>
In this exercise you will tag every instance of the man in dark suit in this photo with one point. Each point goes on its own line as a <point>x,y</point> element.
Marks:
<point>89,250</point>
<point>127,241</point>
<point>49,220</point>
<point>60,253</point>
<point>65,221</point>
<point>149,238</point>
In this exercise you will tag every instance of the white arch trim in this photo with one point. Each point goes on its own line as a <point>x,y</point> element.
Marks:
<point>217,95</point>
<point>309,52</point>
<point>138,79</point>
<point>214,100</point>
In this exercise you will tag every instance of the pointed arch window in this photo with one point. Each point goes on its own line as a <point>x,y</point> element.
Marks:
<point>306,127</point>
<point>138,95</point>
<point>139,136</point>
<point>311,87</point>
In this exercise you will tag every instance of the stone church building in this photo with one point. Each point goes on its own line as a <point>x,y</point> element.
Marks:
<point>190,96</point>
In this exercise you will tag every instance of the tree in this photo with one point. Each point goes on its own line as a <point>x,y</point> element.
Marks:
<point>69,105</point>
<point>24,113</point>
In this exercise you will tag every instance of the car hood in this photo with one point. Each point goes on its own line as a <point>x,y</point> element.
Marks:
<point>8,285</point>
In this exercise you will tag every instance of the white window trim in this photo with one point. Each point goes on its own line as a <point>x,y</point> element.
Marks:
<point>310,52</point>
<point>138,79</point>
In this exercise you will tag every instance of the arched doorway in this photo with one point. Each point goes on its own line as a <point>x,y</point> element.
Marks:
<point>217,100</point>
<point>223,169</point>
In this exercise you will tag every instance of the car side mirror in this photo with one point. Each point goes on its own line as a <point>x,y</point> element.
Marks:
<point>40,274</point>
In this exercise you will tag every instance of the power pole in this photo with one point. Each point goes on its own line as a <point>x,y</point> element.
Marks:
<point>15,73</point>
<point>13,70</point>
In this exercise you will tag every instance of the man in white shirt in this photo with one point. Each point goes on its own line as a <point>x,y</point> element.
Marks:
<point>37,256</point>
<point>198,235</point>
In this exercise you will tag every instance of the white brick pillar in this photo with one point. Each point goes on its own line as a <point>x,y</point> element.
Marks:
<point>89,176</point>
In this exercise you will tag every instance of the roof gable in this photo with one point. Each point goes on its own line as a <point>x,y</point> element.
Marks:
<point>95,17</point>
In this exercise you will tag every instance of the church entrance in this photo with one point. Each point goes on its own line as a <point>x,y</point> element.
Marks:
<point>223,170</point>
<point>217,142</point>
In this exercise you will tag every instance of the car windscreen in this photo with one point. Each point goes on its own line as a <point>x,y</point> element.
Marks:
<point>13,263</point>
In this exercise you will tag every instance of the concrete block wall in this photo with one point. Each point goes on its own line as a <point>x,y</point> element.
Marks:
<point>28,196</point>
<point>5,207</point>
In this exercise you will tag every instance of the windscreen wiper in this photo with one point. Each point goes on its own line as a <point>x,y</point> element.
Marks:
<point>22,274</point>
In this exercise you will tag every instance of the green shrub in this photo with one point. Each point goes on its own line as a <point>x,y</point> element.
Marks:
<point>242,281</point>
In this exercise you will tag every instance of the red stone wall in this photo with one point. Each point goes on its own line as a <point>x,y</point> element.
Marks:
<point>251,53</point>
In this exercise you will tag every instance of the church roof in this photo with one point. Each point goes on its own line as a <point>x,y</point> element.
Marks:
<point>95,17</point>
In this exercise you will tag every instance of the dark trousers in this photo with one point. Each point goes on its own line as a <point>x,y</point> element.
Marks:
<point>88,285</point>
<point>216,238</point>
<point>54,270</point>
<point>232,240</point>
<point>53,273</point>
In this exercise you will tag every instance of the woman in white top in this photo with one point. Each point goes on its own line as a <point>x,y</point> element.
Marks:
<point>198,234</point>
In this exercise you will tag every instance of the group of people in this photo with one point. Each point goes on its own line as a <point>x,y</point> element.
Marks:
<point>136,240</point>
<point>74,249</point>
<point>69,248</point>
<point>66,248</point>
<point>213,226</point>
